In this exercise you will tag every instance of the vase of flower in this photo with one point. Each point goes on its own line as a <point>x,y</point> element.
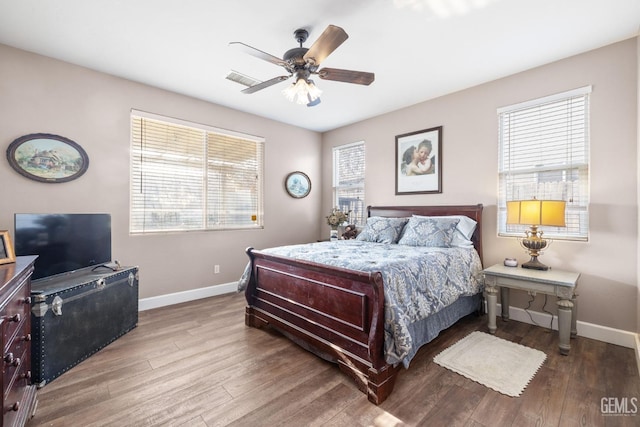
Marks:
<point>335,219</point>
<point>334,234</point>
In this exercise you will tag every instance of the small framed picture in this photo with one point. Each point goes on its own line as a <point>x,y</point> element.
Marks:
<point>297,184</point>
<point>419,162</point>
<point>6,249</point>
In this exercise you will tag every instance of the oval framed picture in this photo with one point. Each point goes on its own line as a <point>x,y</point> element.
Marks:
<point>297,184</point>
<point>47,158</point>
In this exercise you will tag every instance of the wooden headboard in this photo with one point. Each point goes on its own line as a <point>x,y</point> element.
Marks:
<point>472,211</point>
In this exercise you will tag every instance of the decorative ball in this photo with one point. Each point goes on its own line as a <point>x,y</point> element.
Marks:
<point>511,262</point>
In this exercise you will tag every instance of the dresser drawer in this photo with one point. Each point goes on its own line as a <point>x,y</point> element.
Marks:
<point>15,357</point>
<point>15,399</point>
<point>15,312</point>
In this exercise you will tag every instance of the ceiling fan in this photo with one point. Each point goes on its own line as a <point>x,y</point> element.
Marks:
<point>302,63</point>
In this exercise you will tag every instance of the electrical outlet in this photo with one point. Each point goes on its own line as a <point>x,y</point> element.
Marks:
<point>216,269</point>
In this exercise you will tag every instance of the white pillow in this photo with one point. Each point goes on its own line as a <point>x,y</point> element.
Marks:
<point>464,230</point>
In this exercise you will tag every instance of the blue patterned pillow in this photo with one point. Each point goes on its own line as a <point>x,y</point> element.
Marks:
<point>382,230</point>
<point>464,230</point>
<point>429,231</point>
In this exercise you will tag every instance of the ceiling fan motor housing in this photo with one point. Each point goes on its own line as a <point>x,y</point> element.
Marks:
<point>295,56</point>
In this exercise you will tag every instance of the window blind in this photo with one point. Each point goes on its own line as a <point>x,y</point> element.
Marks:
<point>187,176</point>
<point>544,154</point>
<point>348,180</point>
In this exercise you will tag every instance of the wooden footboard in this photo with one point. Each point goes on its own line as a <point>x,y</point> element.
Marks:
<point>337,314</point>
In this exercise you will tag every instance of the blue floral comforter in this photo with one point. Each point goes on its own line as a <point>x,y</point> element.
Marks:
<point>418,281</point>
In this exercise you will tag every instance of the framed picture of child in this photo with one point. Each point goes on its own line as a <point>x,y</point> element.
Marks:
<point>419,162</point>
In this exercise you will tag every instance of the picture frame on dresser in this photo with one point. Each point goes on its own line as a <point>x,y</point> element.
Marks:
<point>7,255</point>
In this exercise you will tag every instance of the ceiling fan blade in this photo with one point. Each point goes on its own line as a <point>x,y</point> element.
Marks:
<point>265,84</point>
<point>258,53</point>
<point>347,76</point>
<point>329,40</point>
<point>243,79</point>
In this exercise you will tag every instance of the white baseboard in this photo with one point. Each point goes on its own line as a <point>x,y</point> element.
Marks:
<point>585,329</point>
<point>186,296</point>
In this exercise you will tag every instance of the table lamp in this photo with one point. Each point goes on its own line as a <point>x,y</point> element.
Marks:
<point>535,213</point>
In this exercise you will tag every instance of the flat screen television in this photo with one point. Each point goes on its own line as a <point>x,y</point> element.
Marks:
<point>63,242</point>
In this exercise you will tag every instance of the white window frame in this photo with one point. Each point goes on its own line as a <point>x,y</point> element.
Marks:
<point>358,209</point>
<point>522,130</point>
<point>184,198</point>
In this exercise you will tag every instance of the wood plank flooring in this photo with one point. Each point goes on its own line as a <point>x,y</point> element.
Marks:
<point>197,364</point>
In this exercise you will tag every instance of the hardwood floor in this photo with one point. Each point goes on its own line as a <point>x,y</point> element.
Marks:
<point>197,364</point>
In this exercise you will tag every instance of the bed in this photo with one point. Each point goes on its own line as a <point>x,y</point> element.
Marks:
<point>329,297</point>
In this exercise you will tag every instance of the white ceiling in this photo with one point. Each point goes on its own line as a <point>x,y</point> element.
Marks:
<point>418,49</point>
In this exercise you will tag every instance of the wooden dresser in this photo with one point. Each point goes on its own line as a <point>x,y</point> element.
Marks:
<point>19,395</point>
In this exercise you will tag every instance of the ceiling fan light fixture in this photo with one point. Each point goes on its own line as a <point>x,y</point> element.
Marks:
<point>302,91</point>
<point>302,63</point>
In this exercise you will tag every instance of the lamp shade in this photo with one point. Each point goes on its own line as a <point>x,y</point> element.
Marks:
<point>536,212</point>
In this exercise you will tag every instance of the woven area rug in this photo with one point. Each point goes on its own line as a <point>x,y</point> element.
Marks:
<point>501,365</point>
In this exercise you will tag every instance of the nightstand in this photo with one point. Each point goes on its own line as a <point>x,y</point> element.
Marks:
<point>560,283</point>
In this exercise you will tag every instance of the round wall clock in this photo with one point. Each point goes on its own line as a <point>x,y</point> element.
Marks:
<point>47,158</point>
<point>297,184</point>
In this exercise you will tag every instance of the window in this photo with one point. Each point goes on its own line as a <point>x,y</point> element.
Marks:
<point>348,180</point>
<point>544,153</point>
<point>187,176</point>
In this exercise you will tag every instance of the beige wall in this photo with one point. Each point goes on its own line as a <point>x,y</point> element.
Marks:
<point>608,285</point>
<point>38,94</point>
<point>638,192</point>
